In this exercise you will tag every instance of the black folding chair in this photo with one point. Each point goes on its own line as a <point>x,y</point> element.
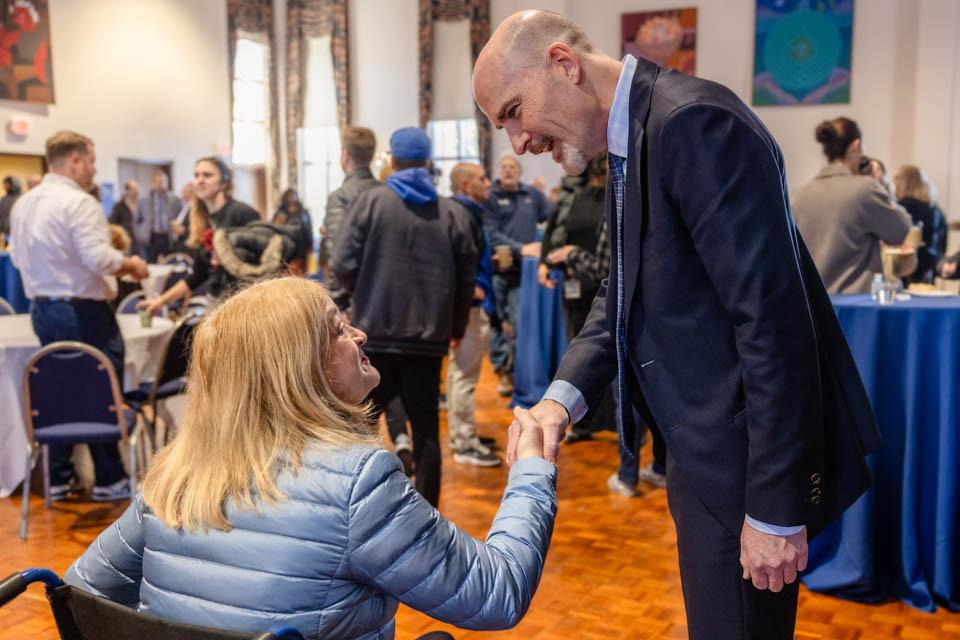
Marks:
<point>170,378</point>
<point>83,616</point>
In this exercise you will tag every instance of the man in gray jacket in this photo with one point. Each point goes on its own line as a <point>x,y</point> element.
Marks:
<point>358,145</point>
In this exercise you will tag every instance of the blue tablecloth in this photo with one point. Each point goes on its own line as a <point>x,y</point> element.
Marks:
<point>902,538</point>
<point>11,288</point>
<point>541,336</point>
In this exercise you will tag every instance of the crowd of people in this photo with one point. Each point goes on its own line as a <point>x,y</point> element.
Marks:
<point>299,505</point>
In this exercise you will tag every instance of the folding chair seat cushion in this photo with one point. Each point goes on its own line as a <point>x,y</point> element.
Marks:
<point>138,397</point>
<point>171,388</point>
<point>77,432</point>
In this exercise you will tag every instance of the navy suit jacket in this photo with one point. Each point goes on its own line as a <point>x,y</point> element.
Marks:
<point>732,341</point>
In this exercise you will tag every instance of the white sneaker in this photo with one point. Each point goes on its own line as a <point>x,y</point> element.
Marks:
<point>616,485</point>
<point>479,456</point>
<point>647,474</point>
<point>119,490</point>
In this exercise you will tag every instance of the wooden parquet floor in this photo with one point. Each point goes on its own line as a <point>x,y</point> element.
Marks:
<point>611,573</point>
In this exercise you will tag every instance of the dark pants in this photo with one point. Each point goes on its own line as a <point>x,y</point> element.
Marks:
<point>396,418</point>
<point>416,380</point>
<point>159,245</point>
<point>630,468</point>
<point>720,604</point>
<point>506,294</point>
<point>93,323</point>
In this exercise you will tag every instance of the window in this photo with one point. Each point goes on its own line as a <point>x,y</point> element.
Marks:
<point>250,91</point>
<point>318,154</point>
<point>318,141</point>
<point>454,141</point>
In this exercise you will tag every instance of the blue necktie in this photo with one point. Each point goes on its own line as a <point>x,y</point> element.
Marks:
<point>619,186</point>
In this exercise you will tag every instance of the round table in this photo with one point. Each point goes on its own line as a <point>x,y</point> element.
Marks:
<point>902,538</point>
<point>18,343</point>
<point>11,286</point>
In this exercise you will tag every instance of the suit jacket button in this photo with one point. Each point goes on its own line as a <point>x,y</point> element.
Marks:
<point>815,478</point>
<point>815,500</point>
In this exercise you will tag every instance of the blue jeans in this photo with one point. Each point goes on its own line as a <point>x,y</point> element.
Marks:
<point>506,294</point>
<point>93,323</point>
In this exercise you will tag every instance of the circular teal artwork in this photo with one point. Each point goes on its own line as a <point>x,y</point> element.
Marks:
<point>802,49</point>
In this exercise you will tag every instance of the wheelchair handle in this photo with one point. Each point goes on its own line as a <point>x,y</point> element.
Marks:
<point>16,583</point>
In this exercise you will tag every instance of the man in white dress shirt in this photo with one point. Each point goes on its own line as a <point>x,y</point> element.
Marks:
<point>61,245</point>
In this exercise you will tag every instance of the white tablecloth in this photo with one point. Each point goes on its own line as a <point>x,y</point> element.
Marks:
<point>18,343</point>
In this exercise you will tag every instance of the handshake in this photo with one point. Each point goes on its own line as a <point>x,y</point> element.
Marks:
<point>537,432</point>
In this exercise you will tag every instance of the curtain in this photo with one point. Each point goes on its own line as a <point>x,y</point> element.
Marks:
<point>256,17</point>
<point>478,13</point>
<point>313,19</point>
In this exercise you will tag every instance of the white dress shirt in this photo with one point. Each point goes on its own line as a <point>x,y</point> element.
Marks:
<point>60,242</point>
<point>618,143</point>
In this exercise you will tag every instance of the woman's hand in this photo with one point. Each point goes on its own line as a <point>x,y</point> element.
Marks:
<point>543,276</point>
<point>153,306</point>
<point>530,438</point>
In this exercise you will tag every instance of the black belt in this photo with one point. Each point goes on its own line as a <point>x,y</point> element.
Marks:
<point>64,299</point>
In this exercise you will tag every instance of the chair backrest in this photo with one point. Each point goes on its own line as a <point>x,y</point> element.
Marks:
<point>71,382</point>
<point>6,309</point>
<point>83,616</point>
<point>129,304</point>
<point>180,272</point>
<point>176,353</point>
<point>177,257</point>
<point>199,305</point>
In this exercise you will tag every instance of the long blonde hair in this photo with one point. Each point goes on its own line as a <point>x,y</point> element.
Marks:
<point>258,393</point>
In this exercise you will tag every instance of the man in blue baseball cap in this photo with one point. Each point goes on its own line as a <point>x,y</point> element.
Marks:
<point>407,257</point>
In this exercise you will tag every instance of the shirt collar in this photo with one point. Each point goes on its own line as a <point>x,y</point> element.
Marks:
<point>618,124</point>
<point>56,178</point>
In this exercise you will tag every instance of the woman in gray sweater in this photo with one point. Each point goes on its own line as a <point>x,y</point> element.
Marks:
<point>843,216</point>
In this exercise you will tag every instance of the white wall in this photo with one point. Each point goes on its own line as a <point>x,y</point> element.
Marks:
<point>145,80</point>
<point>906,58</point>
<point>383,65</point>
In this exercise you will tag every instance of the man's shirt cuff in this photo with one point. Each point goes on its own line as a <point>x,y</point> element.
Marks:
<point>570,397</point>
<point>773,529</point>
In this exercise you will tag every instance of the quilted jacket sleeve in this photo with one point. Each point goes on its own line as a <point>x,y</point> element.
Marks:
<point>402,546</point>
<point>113,565</point>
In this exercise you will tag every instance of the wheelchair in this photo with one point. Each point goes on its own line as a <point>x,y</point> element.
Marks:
<point>83,616</point>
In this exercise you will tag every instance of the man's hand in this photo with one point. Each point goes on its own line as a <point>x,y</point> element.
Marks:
<point>771,561</point>
<point>178,229</point>
<point>455,343</point>
<point>552,418</point>
<point>543,276</point>
<point>531,249</point>
<point>479,294</point>
<point>133,266</point>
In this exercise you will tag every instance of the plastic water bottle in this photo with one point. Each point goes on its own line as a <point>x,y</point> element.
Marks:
<point>876,287</point>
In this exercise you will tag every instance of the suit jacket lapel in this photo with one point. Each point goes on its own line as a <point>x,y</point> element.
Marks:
<point>635,198</point>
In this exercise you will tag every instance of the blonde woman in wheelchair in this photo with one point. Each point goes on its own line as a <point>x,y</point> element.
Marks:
<point>275,503</point>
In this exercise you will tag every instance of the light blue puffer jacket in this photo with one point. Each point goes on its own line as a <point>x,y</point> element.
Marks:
<point>352,539</point>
